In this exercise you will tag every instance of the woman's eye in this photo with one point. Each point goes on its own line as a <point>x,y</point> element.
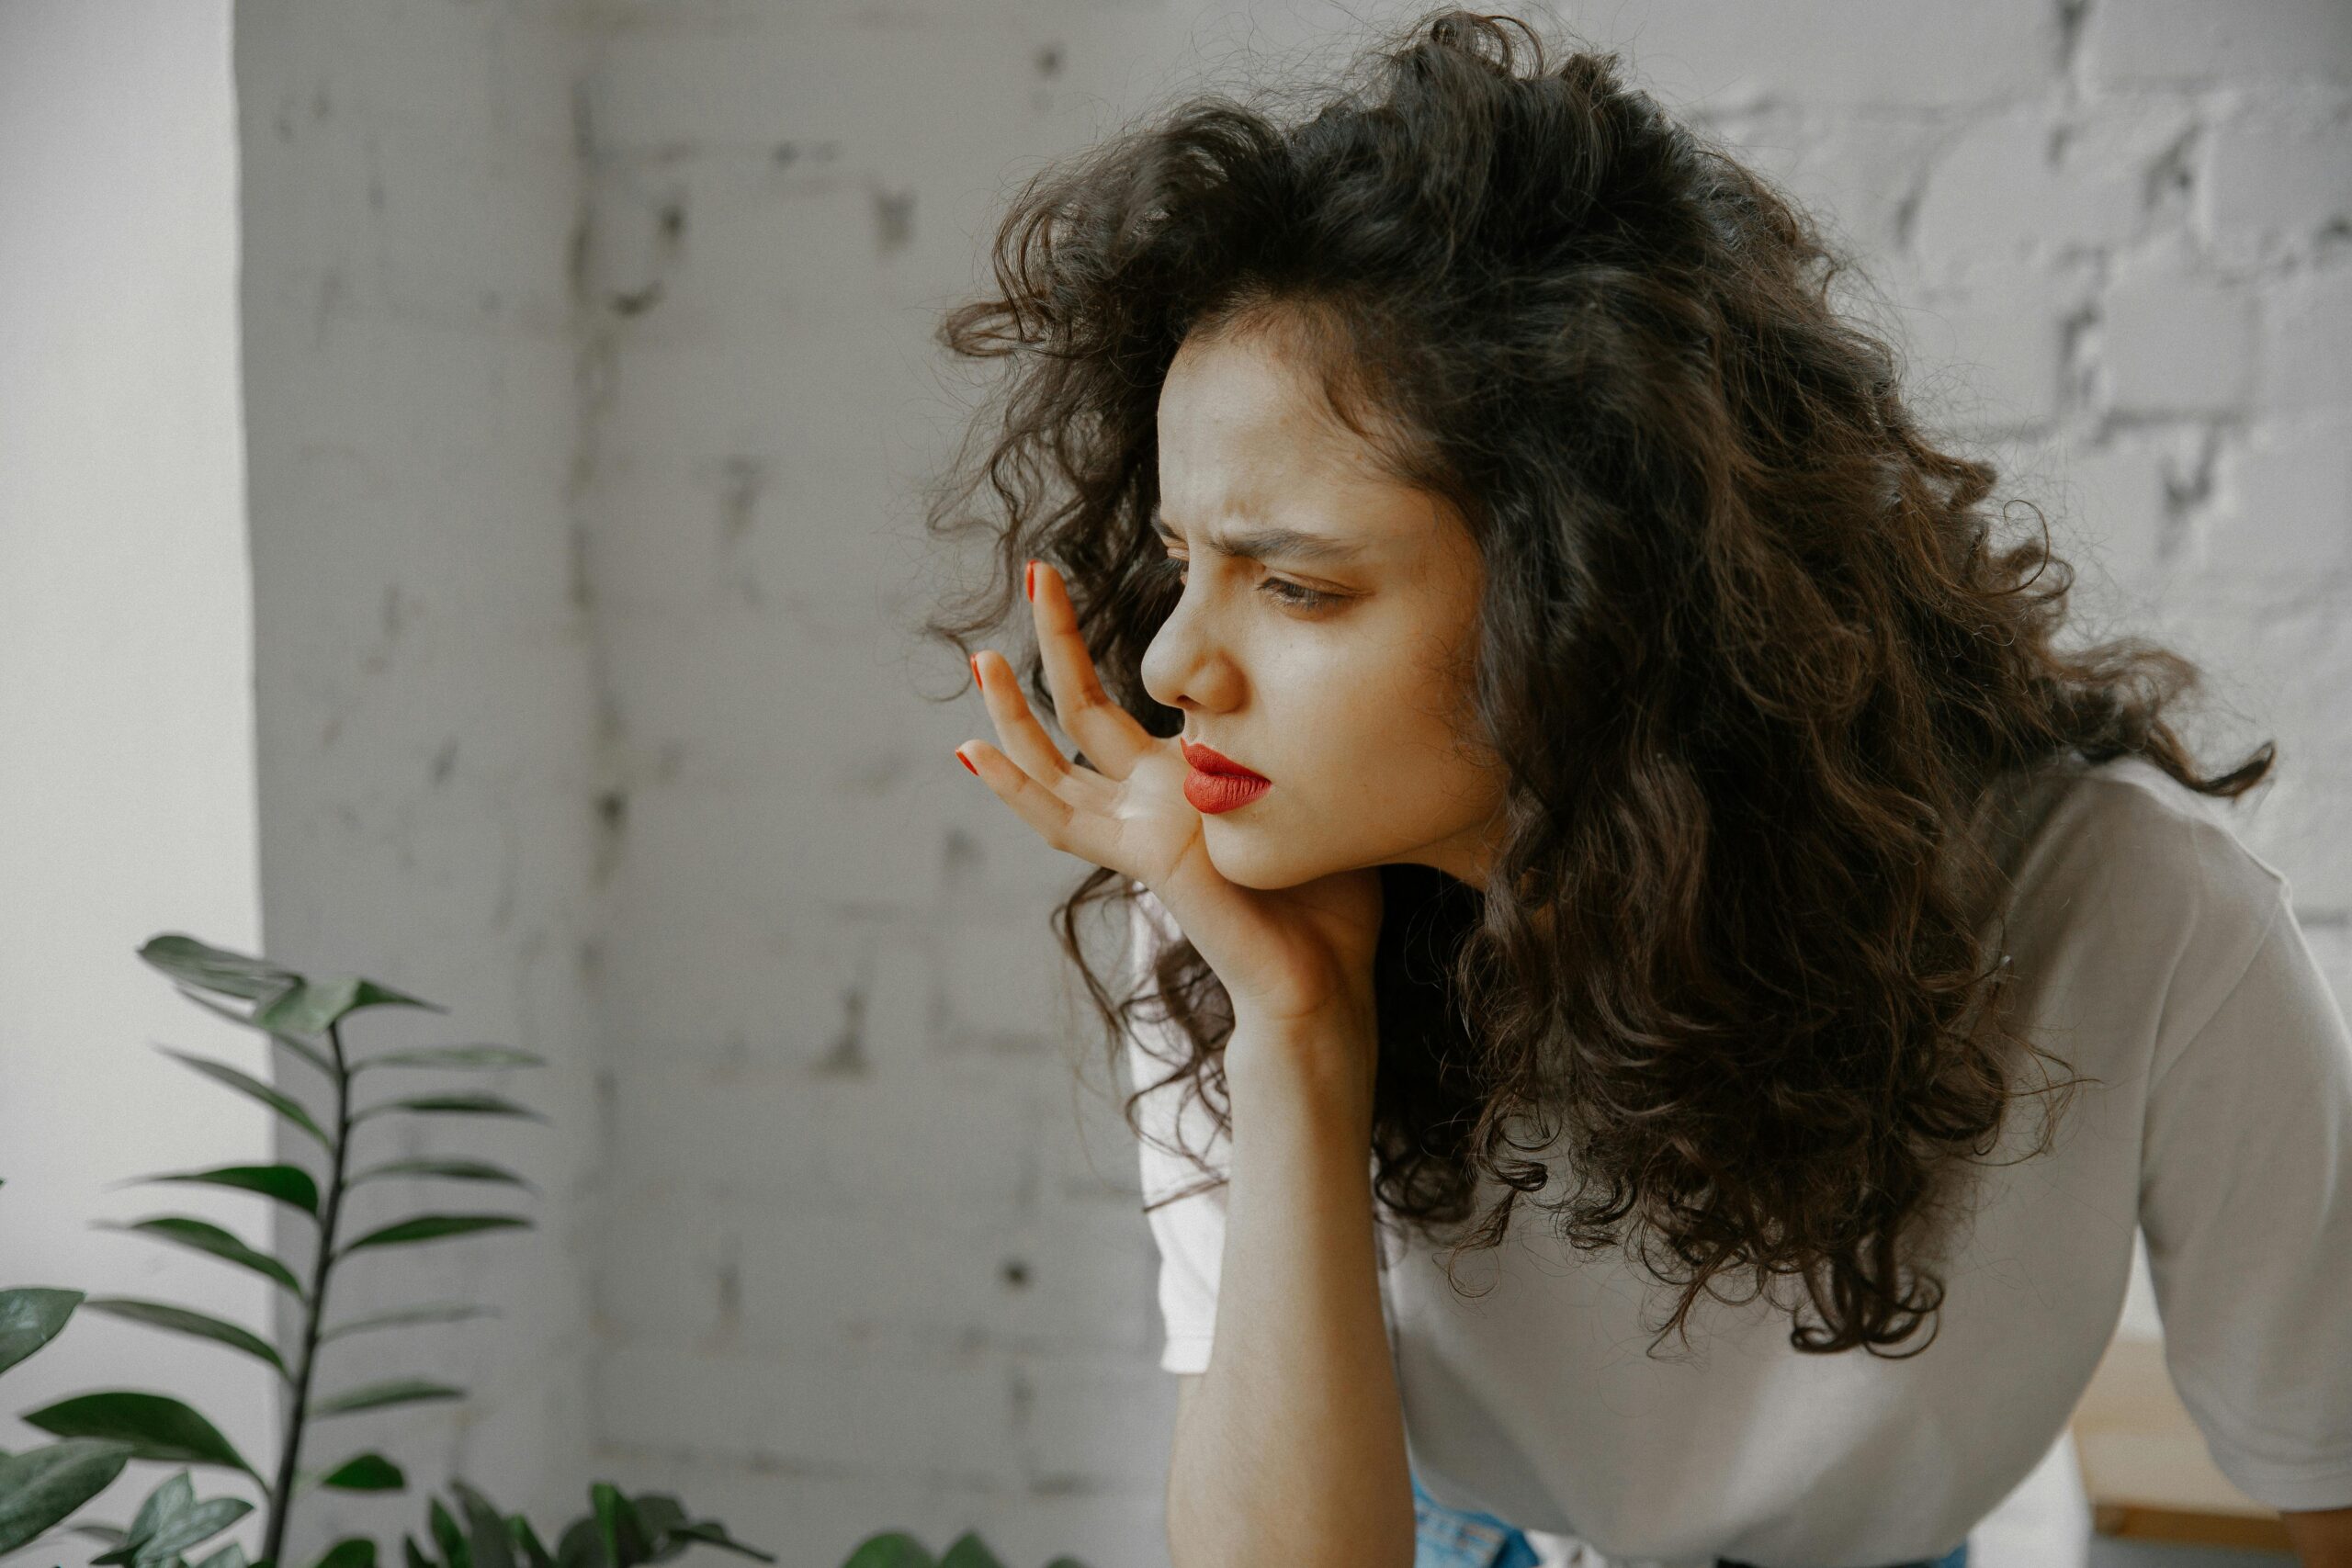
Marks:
<point>1295,595</point>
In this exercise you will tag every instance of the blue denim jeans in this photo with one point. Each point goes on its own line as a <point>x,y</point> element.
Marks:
<point>1456,1538</point>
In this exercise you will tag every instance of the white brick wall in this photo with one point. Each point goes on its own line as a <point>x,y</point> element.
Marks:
<point>2113,239</point>
<point>590,383</point>
<point>424,679</point>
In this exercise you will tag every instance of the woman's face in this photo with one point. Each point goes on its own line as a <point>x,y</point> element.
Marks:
<point>1324,633</point>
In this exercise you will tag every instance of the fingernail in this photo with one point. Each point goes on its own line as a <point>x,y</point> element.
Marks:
<point>977,679</point>
<point>1029,579</point>
<point>968,765</point>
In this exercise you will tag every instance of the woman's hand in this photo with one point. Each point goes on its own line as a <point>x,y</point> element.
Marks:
<point>1290,958</point>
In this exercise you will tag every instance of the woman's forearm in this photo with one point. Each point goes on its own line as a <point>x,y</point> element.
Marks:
<point>1293,1451</point>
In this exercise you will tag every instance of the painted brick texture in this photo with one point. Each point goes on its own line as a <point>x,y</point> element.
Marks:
<point>858,1253</point>
<point>2113,240</point>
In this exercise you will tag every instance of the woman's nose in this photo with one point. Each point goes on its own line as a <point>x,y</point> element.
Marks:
<point>1185,666</point>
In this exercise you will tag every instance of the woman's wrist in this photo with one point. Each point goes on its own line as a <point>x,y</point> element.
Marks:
<point>1320,1064</point>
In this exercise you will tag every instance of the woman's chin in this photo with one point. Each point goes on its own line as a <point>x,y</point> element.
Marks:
<point>1249,855</point>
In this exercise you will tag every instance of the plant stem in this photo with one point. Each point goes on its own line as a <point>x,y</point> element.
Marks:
<point>281,1495</point>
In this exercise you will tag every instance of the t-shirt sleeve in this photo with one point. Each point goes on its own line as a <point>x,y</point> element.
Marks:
<point>2246,1197</point>
<point>1190,1231</point>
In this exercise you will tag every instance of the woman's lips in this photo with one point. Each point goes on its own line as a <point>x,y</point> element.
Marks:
<point>1212,793</point>
<point>1216,782</point>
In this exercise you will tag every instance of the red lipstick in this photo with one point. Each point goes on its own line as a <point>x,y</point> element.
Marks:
<point>1216,782</point>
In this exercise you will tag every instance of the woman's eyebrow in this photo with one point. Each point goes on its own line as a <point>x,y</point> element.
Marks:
<point>1259,544</point>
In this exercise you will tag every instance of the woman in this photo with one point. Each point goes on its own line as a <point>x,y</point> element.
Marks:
<point>1564,735</point>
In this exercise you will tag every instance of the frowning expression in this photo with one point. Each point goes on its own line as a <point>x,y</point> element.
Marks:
<point>1323,637</point>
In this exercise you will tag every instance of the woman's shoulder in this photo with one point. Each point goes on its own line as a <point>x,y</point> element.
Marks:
<point>2130,803</point>
<point>2122,840</point>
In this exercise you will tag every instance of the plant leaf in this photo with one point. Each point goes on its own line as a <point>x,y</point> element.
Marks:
<point>313,1006</point>
<point>216,969</point>
<point>485,1530</point>
<point>180,1320</point>
<point>658,1513</point>
<point>413,1553</point>
<point>154,1425</point>
<point>286,1105</point>
<point>392,1390</point>
<point>453,1169</point>
<point>366,1472</point>
<point>351,1551</point>
<point>892,1549</point>
<point>200,1524</point>
<point>711,1532</point>
<point>577,1546</point>
<point>289,1184</point>
<point>301,1048</point>
<point>448,1537</point>
<point>435,1227</point>
<point>30,1317</point>
<point>528,1541</point>
<point>617,1528</point>
<point>204,1236</point>
<point>187,1525</point>
<point>42,1485</point>
<point>402,1317</point>
<point>482,1057</point>
<point>175,1497</point>
<point>968,1551</point>
<point>462,1104</point>
<point>229,1556</point>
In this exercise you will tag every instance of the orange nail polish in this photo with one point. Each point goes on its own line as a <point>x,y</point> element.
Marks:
<point>1029,579</point>
<point>977,679</point>
<point>968,765</point>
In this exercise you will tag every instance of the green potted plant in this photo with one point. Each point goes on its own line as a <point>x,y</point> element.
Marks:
<point>96,1434</point>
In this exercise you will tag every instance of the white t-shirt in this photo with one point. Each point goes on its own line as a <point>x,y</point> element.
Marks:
<point>2152,952</point>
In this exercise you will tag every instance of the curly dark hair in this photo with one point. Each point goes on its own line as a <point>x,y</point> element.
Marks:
<point>1750,651</point>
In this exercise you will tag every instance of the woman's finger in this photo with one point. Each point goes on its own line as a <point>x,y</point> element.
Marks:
<point>1024,740</point>
<point>1106,732</point>
<point>1055,821</point>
